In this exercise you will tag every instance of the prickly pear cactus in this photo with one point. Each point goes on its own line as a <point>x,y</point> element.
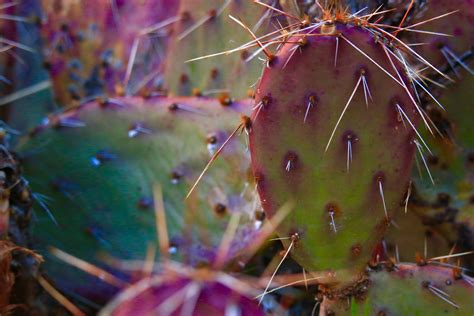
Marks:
<point>85,57</point>
<point>7,29</point>
<point>451,23</point>
<point>444,186</point>
<point>411,238</point>
<point>408,289</point>
<point>196,292</point>
<point>93,170</point>
<point>16,262</point>
<point>25,97</point>
<point>333,131</point>
<point>443,178</point>
<point>205,28</point>
<point>465,229</point>
<point>292,7</point>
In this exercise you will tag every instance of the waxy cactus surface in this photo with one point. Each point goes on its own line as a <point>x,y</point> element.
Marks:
<point>95,181</point>
<point>200,293</point>
<point>409,289</point>
<point>205,28</point>
<point>331,132</point>
<point>102,47</point>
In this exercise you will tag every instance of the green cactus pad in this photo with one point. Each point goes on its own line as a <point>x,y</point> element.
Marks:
<point>451,166</point>
<point>411,290</point>
<point>101,47</point>
<point>94,169</point>
<point>410,236</point>
<point>340,213</point>
<point>451,19</point>
<point>443,180</point>
<point>205,28</point>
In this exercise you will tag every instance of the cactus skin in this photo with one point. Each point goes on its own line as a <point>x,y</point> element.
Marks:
<point>410,289</point>
<point>292,7</point>
<point>405,242</point>
<point>440,205</point>
<point>23,68</point>
<point>99,180</point>
<point>318,182</point>
<point>444,205</point>
<point>205,295</point>
<point>458,25</point>
<point>82,51</point>
<point>218,34</point>
<point>465,228</point>
<point>7,27</point>
<point>65,25</point>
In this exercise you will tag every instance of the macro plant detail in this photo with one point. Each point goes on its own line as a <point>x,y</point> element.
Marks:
<point>236,157</point>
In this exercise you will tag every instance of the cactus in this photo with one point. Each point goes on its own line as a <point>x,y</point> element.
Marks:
<point>409,289</point>
<point>352,93</point>
<point>8,41</point>
<point>204,29</point>
<point>86,59</point>
<point>102,193</point>
<point>465,228</point>
<point>436,195</point>
<point>292,7</point>
<point>7,27</point>
<point>186,292</point>
<point>410,238</point>
<point>24,98</point>
<point>453,21</point>
<point>347,181</point>
<point>445,188</point>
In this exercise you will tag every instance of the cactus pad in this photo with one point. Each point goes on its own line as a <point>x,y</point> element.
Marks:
<point>332,131</point>
<point>93,170</point>
<point>412,290</point>
<point>199,292</point>
<point>101,47</point>
<point>205,28</point>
